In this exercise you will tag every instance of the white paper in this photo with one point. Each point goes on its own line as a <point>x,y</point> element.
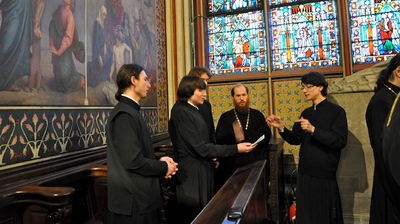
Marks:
<point>259,140</point>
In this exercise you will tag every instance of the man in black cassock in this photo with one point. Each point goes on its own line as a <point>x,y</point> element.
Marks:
<point>205,109</point>
<point>239,124</point>
<point>321,131</point>
<point>134,194</point>
<point>385,207</point>
<point>391,155</point>
<point>194,150</point>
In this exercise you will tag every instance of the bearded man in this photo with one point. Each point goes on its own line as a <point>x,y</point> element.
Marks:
<point>240,124</point>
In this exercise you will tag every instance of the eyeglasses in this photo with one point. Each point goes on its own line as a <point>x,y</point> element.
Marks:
<point>306,87</point>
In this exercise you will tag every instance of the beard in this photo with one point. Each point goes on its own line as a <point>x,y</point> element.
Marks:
<point>242,109</point>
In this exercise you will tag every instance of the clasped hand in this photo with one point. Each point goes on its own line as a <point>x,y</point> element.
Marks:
<point>172,166</point>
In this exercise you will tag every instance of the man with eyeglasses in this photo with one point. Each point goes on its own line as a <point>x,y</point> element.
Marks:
<point>321,131</point>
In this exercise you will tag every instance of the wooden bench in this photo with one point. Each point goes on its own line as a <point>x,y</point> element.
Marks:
<point>56,201</point>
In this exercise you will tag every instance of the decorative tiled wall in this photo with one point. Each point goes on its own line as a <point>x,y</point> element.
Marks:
<point>289,102</point>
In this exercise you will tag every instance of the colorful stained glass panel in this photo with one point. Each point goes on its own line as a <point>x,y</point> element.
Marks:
<point>237,43</point>
<point>216,6</point>
<point>374,30</point>
<point>279,2</point>
<point>304,36</point>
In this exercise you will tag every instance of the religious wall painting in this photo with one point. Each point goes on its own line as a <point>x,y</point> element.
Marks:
<point>36,69</point>
<point>32,130</point>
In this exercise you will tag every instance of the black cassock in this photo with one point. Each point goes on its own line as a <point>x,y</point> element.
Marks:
<point>191,141</point>
<point>383,199</point>
<point>225,134</point>
<point>391,156</point>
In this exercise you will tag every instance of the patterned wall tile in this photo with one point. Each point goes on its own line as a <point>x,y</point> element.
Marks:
<point>289,102</point>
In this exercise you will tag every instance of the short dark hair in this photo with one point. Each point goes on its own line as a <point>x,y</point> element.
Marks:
<point>124,77</point>
<point>188,85</point>
<point>198,70</point>
<point>316,79</point>
<point>386,74</point>
<point>237,85</point>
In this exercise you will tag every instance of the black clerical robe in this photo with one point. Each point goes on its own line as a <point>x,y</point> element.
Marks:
<point>133,171</point>
<point>191,142</point>
<point>383,199</point>
<point>256,127</point>
<point>318,197</point>
<point>206,111</point>
<point>391,157</point>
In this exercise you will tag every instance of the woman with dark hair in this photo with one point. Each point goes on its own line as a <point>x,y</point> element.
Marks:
<point>321,131</point>
<point>385,207</point>
<point>194,149</point>
<point>134,194</point>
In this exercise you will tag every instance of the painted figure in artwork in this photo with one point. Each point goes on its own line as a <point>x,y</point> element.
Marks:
<point>35,78</point>
<point>64,43</point>
<point>386,30</point>
<point>99,67</point>
<point>16,34</point>
<point>121,54</point>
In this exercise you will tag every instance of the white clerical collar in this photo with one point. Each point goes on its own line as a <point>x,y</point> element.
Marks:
<point>130,98</point>
<point>193,105</point>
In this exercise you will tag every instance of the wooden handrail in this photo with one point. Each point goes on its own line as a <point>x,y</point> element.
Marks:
<point>246,185</point>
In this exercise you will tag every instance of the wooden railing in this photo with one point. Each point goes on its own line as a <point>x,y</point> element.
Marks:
<point>242,199</point>
<point>253,194</point>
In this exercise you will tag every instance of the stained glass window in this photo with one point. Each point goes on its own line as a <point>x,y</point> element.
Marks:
<point>215,6</point>
<point>279,2</point>
<point>237,43</point>
<point>304,35</point>
<point>374,30</point>
<point>236,36</point>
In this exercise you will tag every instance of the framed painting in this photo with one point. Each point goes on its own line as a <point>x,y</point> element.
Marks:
<point>67,52</point>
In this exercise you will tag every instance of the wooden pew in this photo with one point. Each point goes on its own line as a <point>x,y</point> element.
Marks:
<point>99,175</point>
<point>55,201</point>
